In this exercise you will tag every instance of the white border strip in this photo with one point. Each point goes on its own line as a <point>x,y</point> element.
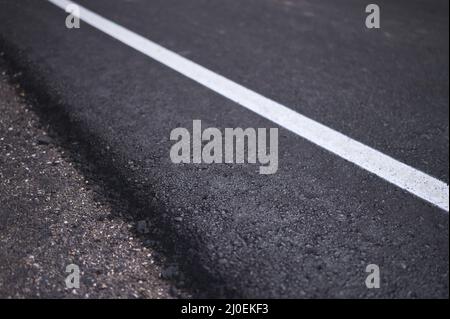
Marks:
<point>408,178</point>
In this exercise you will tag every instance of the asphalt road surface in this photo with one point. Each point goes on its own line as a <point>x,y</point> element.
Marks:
<point>53,215</point>
<point>309,230</point>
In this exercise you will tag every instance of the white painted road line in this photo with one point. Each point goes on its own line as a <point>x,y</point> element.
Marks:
<point>406,177</point>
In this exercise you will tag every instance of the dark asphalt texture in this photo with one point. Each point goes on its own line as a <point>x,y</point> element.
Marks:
<point>52,215</point>
<point>310,229</point>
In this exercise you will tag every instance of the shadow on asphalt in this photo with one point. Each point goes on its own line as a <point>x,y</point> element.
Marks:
<point>151,221</point>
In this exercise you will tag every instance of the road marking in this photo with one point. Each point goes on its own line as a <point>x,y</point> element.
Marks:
<point>406,177</point>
